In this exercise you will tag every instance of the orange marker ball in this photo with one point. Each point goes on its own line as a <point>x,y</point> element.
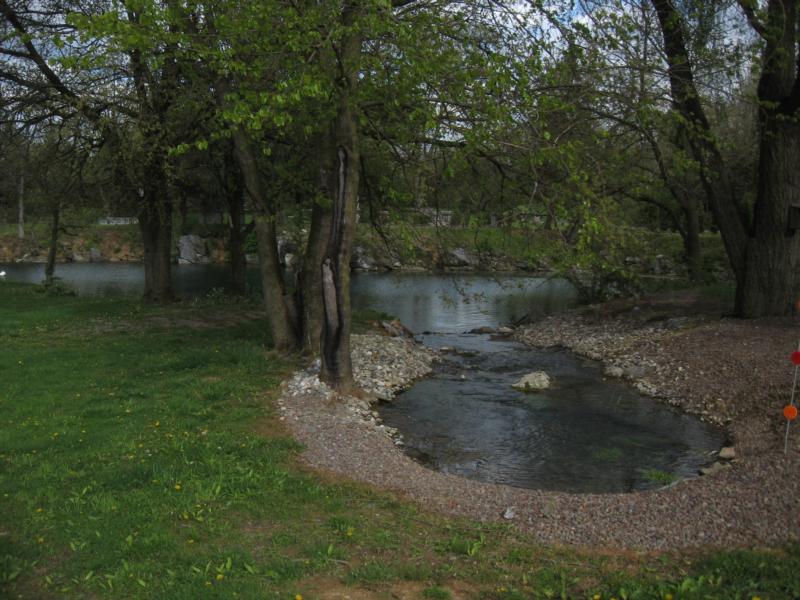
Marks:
<point>790,412</point>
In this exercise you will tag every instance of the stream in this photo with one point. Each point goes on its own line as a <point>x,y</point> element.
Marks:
<point>585,434</point>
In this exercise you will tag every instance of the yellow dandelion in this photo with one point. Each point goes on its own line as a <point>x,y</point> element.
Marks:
<point>177,487</point>
<point>40,509</point>
<point>220,576</point>
<point>667,596</point>
<point>190,541</point>
<point>298,597</point>
<point>40,539</point>
<point>157,424</point>
<point>596,597</point>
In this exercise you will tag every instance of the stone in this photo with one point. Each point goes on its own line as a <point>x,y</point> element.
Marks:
<point>95,255</point>
<point>533,382</point>
<point>713,469</point>
<point>676,322</point>
<point>510,513</point>
<point>361,260</point>
<point>613,371</point>
<point>192,250</point>
<point>483,330</point>
<point>727,453</point>
<point>634,371</point>
<point>396,329</point>
<point>459,257</point>
<point>290,261</point>
<point>505,330</point>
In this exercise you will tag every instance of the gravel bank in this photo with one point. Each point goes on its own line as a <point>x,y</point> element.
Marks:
<point>731,372</point>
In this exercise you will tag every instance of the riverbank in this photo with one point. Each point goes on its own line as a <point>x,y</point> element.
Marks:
<point>732,373</point>
<point>395,248</point>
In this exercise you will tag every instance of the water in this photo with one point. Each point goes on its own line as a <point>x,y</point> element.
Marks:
<point>457,303</point>
<point>583,435</point>
<point>422,301</point>
<point>112,279</point>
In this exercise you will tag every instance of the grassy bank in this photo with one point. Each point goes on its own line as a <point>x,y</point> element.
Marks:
<point>140,457</point>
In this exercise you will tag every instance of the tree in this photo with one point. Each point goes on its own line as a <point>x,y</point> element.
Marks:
<point>763,245</point>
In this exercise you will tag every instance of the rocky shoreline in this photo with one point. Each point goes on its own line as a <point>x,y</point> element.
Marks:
<point>731,373</point>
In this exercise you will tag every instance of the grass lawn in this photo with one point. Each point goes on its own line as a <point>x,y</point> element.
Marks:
<point>140,457</point>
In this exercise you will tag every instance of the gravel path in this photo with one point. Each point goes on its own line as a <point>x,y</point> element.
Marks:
<point>726,371</point>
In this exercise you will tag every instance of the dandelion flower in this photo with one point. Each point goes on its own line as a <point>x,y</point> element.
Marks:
<point>177,487</point>
<point>298,597</point>
<point>220,576</point>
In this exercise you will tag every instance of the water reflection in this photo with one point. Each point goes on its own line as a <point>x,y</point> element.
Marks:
<point>424,302</point>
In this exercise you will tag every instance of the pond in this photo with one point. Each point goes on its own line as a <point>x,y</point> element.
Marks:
<point>585,434</point>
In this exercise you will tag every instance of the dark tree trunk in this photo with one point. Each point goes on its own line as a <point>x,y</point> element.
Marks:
<point>686,102</point>
<point>281,309</point>
<point>21,207</point>
<point>313,307</point>
<point>337,368</point>
<point>765,259</point>
<point>155,223</point>
<point>691,238</point>
<point>280,305</point>
<point>772,281</point>
<point>50,267</point>
<point>237,234</point>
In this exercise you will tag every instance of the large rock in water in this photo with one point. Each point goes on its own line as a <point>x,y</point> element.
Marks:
<point>533,382</point>
<point>192,250</point>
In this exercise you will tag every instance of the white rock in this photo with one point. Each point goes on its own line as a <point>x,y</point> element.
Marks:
<point>533,382</point>
<point>510,513</point>
<point>613,371</point>
<point>727,453</point>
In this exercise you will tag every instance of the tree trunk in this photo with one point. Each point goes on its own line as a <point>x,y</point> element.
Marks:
<point>21,212</point>
<point>155,224</point>
<point>280,305</point>
<point>50,267</point>
<point>765,260</point>
<point>237,235</point>
<point>691,238</point>
<point>312,304</point>
<point>281,310</point>
<point>337,368</point>
<point>772,283</point>
<point>686,102</point>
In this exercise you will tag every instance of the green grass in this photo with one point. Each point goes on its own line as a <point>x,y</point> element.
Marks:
<point>141,457</point>
<point>659,477</point>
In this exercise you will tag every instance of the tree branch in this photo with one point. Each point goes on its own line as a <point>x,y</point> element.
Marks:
<point>38,59</point>
<point>752,18</point>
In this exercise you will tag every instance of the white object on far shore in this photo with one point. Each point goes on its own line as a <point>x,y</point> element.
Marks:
<point>2,273</point>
